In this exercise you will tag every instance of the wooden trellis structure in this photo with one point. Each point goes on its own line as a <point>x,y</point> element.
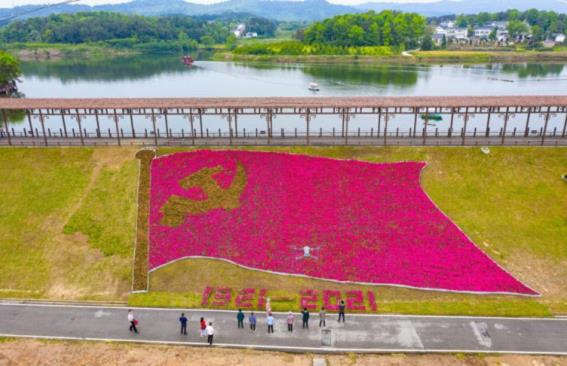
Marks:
<point>381,110</point>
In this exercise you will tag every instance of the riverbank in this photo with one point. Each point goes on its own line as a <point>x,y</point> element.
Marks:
<point>434,57</point>
<point>46,52</point>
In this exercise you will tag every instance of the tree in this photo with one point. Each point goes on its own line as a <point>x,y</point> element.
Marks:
<point>231,42</point>
<point>9,67</point>
<point>516,28</point>
<point>427,42</point>
<point>444,42</point>
<point>493,35</point>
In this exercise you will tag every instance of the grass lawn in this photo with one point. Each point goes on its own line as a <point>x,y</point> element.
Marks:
<point>512,203</point>
<point>67,221</point>
<point>68,217</point>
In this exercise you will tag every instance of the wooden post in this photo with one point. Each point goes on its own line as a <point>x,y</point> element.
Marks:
<point>116,118</point>
<point>191,126</point>
<point>506,117</point>
<point>97,124</point>
<point>345,121</point>
<point>268,124</point>
<point>132,124</point>
<point>153,117</point>
<point>564,126</point>
<point>5,118</point>
<point>527,129</point>
<point>487,134</point>
<point>465,120</point>
<point>416,109</point>
<point>166,124</point>
<point>30,123</point>
<point>379,120</point>
<point>78,116</point>
<point>424,131</point>
<point>201,121</point>
<point>230,127</point>
<point>547,116</point>
<point>42,121</point>
<point>64,124</point>
<point>307,120</point>
<point>386,118</point>
<point>342,125</point>
<point>450,132</point>
<point>235,123</point>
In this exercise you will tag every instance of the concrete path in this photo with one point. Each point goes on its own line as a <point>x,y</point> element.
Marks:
<point>361,333</point>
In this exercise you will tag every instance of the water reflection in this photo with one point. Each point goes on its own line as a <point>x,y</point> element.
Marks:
<point>116,69</point>
<point>360,74</point>
<point>531,70</point>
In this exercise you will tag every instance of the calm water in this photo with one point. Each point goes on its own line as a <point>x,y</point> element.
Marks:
<point>162,76</point>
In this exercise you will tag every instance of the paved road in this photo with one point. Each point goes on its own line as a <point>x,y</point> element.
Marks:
<point>363,333</point>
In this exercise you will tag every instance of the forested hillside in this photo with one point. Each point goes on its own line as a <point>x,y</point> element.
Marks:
<point>121,30</point>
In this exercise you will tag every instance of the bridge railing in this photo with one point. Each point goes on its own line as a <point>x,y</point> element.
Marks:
<point>528,120</point>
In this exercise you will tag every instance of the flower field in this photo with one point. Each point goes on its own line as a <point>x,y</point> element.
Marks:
<point>331,219</point>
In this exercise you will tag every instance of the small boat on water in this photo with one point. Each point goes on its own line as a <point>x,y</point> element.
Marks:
<point>188,60</point>
<point>313,87</point>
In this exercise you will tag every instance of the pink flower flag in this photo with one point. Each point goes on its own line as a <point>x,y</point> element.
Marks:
<point>347,221</point>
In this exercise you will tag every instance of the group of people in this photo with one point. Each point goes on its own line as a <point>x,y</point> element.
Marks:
<point>290,319</point>
<point>207,330</point>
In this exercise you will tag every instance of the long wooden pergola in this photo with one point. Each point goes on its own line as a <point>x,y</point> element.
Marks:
<point>123,111</point>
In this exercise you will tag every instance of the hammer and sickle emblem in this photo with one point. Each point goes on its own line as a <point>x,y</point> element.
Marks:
<point>177,208</point>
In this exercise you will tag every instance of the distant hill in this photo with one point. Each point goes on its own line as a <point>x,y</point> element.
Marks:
<point>296,10</point>
<point>279,10</point>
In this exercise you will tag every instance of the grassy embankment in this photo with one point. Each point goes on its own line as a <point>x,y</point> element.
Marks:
<point>68,220</point>
<point>272,51</point>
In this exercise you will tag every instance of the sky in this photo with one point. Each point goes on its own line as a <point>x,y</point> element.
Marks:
<point>12,3</point>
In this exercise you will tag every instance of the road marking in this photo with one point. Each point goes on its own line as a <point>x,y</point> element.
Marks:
<point>125,307</point>
<point>101,313</point>
<point>480,330</point>
<point>290,348</point>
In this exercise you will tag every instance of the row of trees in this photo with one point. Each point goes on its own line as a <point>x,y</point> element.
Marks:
<point>126,30</point>
<point>386,28</point>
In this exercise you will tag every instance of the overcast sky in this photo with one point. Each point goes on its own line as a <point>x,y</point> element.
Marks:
<point>12,3</point>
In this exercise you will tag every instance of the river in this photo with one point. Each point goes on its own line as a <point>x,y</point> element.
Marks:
<point>166,76</point>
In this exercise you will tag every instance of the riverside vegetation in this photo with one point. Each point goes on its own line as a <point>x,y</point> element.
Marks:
<point>368,36</point>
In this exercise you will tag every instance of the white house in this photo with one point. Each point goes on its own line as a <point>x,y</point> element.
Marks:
<point>240,30</point>
<point>483,32</point>
<point>502,35</point>
<point>559,38</point>
<point>461,34</point>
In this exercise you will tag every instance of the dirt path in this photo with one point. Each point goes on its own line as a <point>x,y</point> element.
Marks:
<point>29,352</point>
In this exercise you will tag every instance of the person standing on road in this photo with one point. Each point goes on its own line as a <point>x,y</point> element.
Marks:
<point>322,317</point>
<point>342,311</point>
<point>183,321</point>
<point>133,322</point>
<point>305,318</point>
<point>203,327</point>
<point>252,320</point>
<point>290,319</point>
<point>270,322</point>
<point>240,318</point>
<point>210,333</point>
